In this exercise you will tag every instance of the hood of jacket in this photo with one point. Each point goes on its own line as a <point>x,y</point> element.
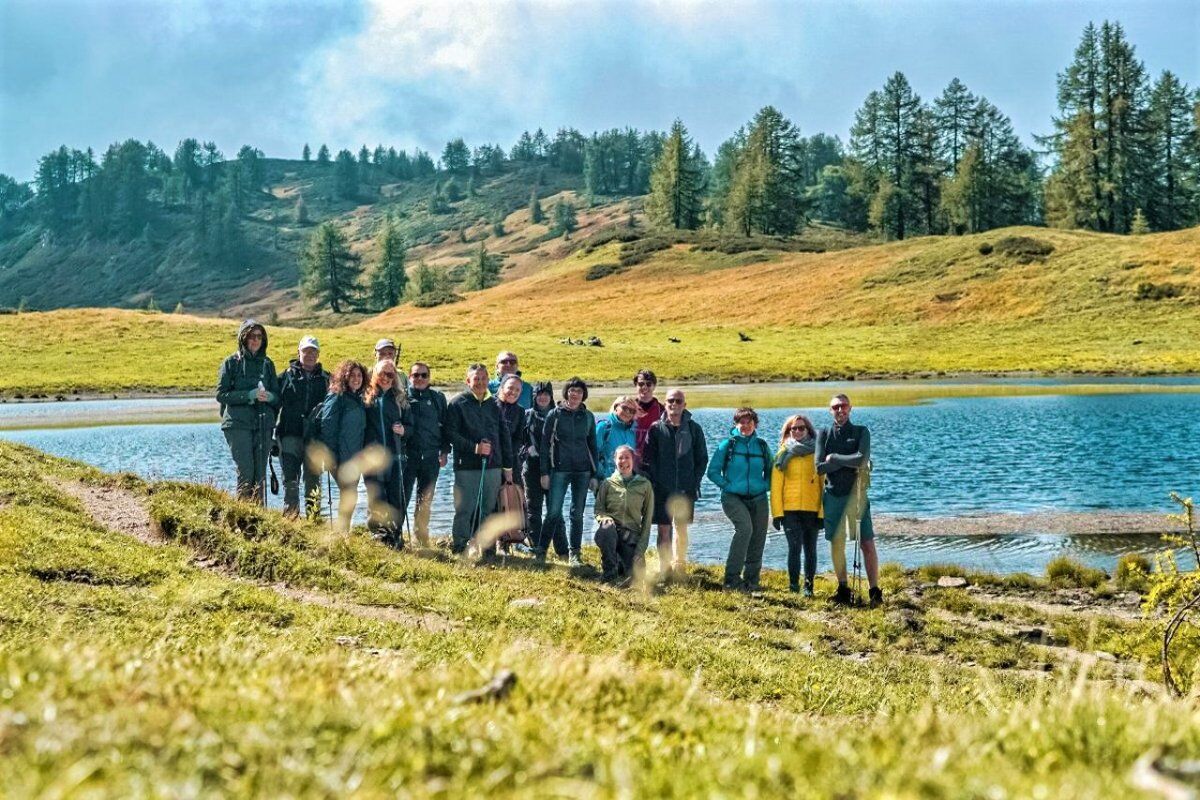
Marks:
<point>246,327</point>
<point>615,421</point>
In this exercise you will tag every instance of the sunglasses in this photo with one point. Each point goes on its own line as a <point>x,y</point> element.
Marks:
<point>646,383</point>
<point>416,375</point>
<point>674,400</point>
<point>839,406</point>
<point>508,361</point>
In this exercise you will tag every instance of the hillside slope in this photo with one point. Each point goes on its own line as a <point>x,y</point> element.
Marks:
<point>1095,303</point>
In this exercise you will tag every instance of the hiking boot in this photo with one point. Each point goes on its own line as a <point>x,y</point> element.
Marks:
<point>539,557</point>
<point>808,589</point>
<point>794,588</point>
<point>843,597</point>
<point>574,560</point>
<point>876,597</point>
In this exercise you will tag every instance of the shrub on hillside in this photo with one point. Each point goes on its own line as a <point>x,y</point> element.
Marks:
<point>598,271</point>
<point>1157,291</point>
<point>1025,249</point>
<point>441,297</point>
<point>985,249</point>
<point>1064,571</point>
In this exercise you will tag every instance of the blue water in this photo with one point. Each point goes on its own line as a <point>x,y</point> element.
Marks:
<point>946,458</point>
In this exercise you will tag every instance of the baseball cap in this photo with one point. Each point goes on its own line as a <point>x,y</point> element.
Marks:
<point>310,341</point>
<point>382,343</point>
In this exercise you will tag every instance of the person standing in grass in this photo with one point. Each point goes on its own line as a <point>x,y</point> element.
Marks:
<point>302,389</point>
<point>843,457</point>
<point>248,392</point>
<point>389,425</point>
<point>674,459</point>
<point>624,512</point>
<point>389,350</point>
<point>617,429</point>
<point>428,447</point>
<point>649,409</point>
<point>343,431</point>
<point>796,499</point>
<point>506,364</point>
<point>531,472</point>
<point>741,467</point>
<point>483,455</point>
<point>513,416</point>
<point>568,455</point>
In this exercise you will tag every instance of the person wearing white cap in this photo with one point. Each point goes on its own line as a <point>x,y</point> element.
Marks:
<point>303,387</point>
<point>387,350</point>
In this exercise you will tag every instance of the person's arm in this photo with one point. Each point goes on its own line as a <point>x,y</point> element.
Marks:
<point>647,519</point>
<point>819,454</point>
<point>226,394</point>
<point>442,416</point>
<point>507,454</point>
<point>271,384</point>
<point>594,449</point>
<point>856,459</point>
<point>544,444</point>
<point>776,493</point>
<point>455,434</point>
<point>600,509</point>
<point>648,465</point>
<point>715,467</point>
<point>331,424</point>
<point>699,454</point>
<point>407,420</point>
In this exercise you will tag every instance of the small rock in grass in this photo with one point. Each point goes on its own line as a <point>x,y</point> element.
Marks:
<point>1031,634</point>
<point>951,582</point>
<point>525,602</point>
<point>495,689</point>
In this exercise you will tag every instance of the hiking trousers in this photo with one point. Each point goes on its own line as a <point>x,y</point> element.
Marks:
<point>295,466</point>
<point>801,529</point>
<point>250,453</point>
<point>749,517</point>
<point>559,482</point>
<point>535,499</point>
<point>468,501</point>
<point>619,557</point>
<point>422,471</point>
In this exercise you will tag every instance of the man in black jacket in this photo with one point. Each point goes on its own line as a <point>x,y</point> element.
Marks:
<point>674,460</point>
<point>302,388</point>
<point>427,447</point>
<point>482,451</point>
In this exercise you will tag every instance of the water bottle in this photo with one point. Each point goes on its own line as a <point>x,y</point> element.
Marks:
<point>261,388</point>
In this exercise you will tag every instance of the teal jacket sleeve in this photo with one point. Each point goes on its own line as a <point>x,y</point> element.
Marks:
<point>717,464</point>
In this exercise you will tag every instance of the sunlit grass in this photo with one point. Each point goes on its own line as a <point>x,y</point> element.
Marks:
<point>128,670</point>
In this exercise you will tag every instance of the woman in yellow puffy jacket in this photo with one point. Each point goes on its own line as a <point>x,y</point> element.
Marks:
<point>796,498</point>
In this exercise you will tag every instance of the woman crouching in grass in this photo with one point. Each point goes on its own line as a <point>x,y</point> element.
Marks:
<point>624,510</point>
<point>343,430</point>
<point>796,498</point>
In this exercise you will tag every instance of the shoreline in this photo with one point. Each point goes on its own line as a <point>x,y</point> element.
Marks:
<point>866,380</point>
<point>1031,523</point>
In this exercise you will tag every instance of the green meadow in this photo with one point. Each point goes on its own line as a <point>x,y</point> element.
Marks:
<point>228,651</point>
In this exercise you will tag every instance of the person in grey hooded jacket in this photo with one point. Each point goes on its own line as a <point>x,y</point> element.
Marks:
<point>248,391</point>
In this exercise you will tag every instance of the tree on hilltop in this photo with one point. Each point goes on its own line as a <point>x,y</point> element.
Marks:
<point>330,271</point>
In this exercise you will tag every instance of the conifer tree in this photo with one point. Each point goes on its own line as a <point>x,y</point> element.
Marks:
<point>456,156</point>
<point>766,193</point>
<point>330,272</point>
<point>483,271</point>
<point>301,210</point>
<point>323,156</point>
<point>564,218</point>
<point>535,207</point>
<point>1172,192</point>
<point>675,184</point>
<point>390,278</point>
<point>345,175</point>
<point>306,153</point>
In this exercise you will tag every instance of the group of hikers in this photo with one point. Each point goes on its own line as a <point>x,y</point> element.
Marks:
<point>515,449</point>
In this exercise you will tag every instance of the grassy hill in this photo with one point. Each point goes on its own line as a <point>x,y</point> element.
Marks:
<point>164,639</point>
<point>168,263</point>
<point>1012,300</point>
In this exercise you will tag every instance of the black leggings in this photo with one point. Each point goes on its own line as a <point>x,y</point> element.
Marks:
<point>801,528</point>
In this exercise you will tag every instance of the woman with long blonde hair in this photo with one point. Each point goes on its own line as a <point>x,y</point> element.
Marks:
<point>389,424</point>
<point>796,498</point>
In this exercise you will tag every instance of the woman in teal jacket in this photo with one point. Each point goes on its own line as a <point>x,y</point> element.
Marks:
<point>741,467</point>
<point>615,430</point>
<point>343,431</point>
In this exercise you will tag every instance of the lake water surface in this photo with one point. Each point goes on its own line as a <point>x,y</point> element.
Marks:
<point>947,458</point>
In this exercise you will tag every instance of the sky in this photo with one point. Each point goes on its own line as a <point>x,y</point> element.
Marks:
<point>277,75</point>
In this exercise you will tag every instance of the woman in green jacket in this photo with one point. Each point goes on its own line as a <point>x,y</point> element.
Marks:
<point>624,511</point>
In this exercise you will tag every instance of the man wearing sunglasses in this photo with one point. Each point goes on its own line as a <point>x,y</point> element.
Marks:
<point>843,456</point>
<point>506,364</point>
<point>427,447</point>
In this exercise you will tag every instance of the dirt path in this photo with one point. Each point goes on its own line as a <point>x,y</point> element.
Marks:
<point>124,512</point>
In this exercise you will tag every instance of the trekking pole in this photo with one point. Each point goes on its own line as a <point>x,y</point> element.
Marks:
<point>403,486</point>
<point>479,500</point>
<point>329,498</point>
